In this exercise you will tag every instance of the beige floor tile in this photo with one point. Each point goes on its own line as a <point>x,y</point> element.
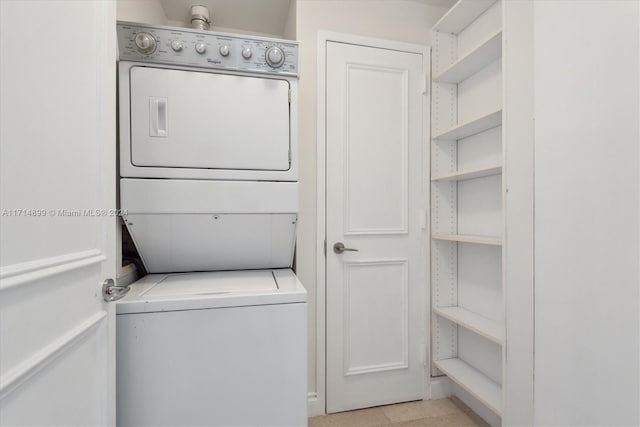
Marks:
<point>317,421</point>
<point>424,422</point>
<point>360,418</point>
<point>479,421</point>
<point>433,413</point>
<point>420,409</point>
<point>452,420</point>
<point>475,417</point>
<point>460,404</point>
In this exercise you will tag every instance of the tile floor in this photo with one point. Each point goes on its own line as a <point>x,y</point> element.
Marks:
<point>427,413</point>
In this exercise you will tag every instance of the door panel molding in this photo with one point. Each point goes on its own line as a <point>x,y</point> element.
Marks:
<point>20,374</point>
<point>403,363</point>
<point>32,271</point>
<point>401,216</point>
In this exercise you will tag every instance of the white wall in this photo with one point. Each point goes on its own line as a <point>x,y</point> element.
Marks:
<point>400,20</point>
<point>152,12</point>
<point>289,31</point>
<point>143,11</point>
<point>587,191</point>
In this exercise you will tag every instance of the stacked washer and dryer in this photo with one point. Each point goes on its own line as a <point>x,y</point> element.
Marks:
<point>216,334</point>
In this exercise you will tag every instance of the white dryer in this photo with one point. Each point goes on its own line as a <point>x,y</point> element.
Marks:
<point>208,167</point>
<point>203,105</point>
<point>208,148</point>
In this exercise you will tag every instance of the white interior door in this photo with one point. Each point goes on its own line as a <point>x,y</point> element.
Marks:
<point>57,184</point>
<point>376,297</point>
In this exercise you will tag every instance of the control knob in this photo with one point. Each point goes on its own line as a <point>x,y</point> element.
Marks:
<point>274,57</point>
<point>246,53</point>
<point>176,45</point>
<point>201,48</point>
<point>224,50</point>
<point>145,43</point>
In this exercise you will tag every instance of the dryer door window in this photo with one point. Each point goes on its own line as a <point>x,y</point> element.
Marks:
<point>203,120</point>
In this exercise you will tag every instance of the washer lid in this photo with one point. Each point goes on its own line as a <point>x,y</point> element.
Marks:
<point>224,282</point>
<point>194,291</point>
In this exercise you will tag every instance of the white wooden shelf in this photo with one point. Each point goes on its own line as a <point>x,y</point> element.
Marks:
<point>490,329</point>
<point>469,174</point>
<point>472,127</point>
<point>466,238</point>
<point>461,14</point>
<point>472,62</point>
<point>473,381</point>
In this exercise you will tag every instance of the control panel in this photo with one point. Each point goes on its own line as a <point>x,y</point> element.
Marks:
<point>207,49</point>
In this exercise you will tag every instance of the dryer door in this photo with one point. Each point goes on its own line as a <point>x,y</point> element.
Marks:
<point>188,119</point>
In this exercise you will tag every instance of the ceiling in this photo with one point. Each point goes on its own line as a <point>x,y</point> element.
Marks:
<point>262,16</point>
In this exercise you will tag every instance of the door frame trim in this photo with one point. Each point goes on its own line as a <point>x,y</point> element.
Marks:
<point>318,405</point>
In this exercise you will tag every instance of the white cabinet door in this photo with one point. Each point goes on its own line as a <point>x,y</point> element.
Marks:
<point>376,297</point>
<point>57,184</point>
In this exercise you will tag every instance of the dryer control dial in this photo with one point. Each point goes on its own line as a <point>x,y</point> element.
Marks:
<point>201,48</point>
<point>274,57</point>
<point>224,50</point>
<point>145,43</point>
<point>176,46</point>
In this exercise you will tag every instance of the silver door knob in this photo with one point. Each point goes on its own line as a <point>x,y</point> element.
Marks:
<point>339,248</point>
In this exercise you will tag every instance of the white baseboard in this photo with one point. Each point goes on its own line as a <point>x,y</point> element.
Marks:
<point>439,388</point>
<point>313,405</point>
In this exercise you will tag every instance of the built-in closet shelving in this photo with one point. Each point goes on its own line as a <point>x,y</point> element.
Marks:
<point>471,127</point>
<point>469,174</point>
<point>468,333</point>
<point>475,60</point>
<point>466,238</point>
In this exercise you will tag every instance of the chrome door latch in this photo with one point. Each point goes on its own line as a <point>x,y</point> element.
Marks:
<point>339,248</point>
<point>111,292</point>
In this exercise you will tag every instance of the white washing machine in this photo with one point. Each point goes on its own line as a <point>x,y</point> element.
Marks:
<point>219,348</point>
<point>217,334</point>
